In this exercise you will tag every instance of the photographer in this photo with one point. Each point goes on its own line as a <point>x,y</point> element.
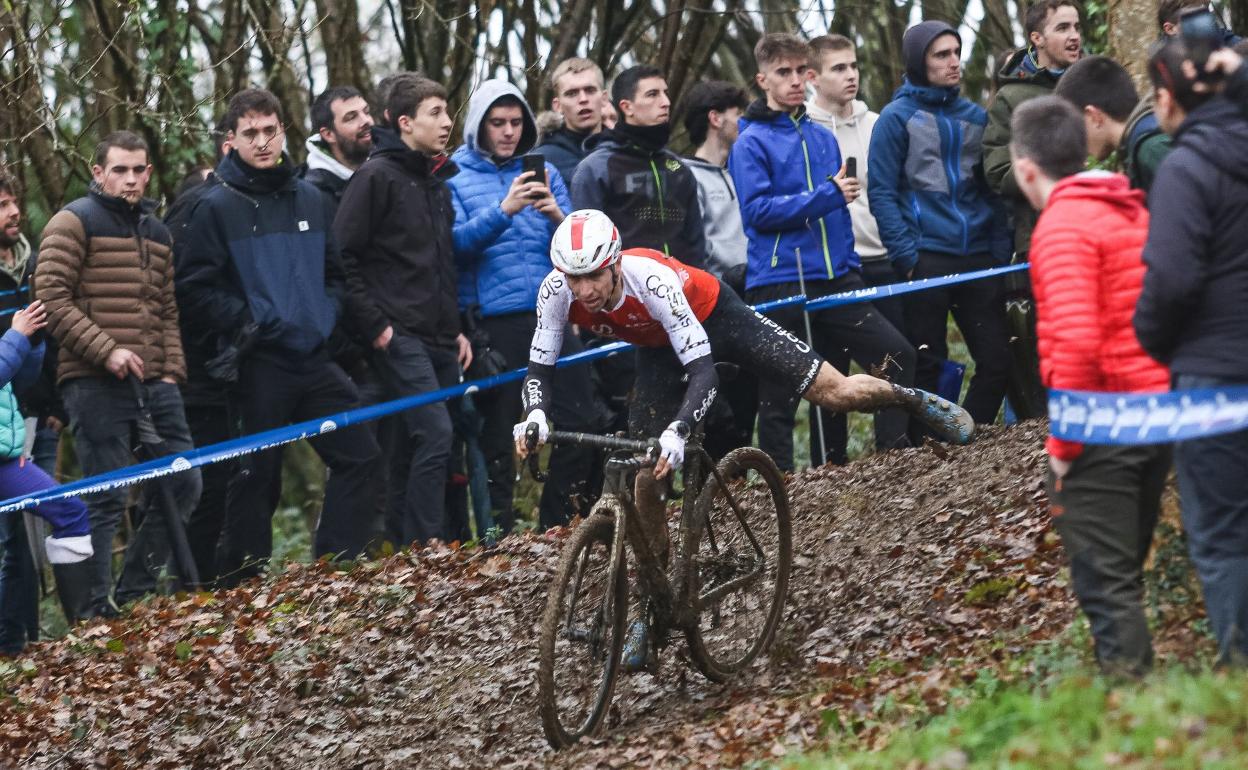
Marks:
<point>1190,313</point>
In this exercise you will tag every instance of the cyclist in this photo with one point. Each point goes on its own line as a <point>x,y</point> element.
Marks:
<point>682,320</point>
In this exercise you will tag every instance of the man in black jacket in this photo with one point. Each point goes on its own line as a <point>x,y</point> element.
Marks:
<point>1190,316</point>
<point>631,176</point>
<point>578,98</point>
<point>260,267</point>
<point>394,224</point>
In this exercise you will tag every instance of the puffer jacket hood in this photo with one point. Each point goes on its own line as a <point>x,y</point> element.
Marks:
<point>914,45</point>
<point>320,157</point>
<point>1106,189</point>
<point>479,105</point>
<point>1022,67</point>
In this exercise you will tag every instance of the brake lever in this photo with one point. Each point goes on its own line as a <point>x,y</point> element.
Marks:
<point>531,436</point>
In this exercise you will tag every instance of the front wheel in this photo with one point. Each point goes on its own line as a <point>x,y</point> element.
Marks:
<point>740,560</point>
<point>583,632</point>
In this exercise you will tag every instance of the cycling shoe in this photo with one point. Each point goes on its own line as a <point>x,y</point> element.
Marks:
<point>950,422</point>
<point>636,647</point>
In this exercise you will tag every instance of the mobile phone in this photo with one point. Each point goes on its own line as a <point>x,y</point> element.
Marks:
<point>537,164</point>
<point>851,168</point>
<point>1202,34</point>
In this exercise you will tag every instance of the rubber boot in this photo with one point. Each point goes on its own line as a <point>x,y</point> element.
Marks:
<point>73,588</point>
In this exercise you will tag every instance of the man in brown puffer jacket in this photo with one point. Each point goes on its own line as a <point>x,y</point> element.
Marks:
<point>105,275</point>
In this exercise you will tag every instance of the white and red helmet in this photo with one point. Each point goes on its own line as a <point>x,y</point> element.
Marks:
<point>586,241</point>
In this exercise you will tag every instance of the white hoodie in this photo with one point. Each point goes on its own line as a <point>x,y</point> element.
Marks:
<point>854,137</point>
<point>320,157</point>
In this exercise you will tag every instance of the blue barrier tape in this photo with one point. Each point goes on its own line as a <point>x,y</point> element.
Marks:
<point>1147,418</point>
<point>258,442</point>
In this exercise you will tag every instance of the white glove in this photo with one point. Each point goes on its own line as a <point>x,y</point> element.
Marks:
<point>538,417</point>
<point>672,446</point>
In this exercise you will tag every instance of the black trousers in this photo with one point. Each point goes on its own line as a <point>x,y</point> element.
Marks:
<point>568,489</point>
<point>276,392</point>
<point>979,312</point>
<point>852,332</point>
<point>210,424</point>
<point>1105,509</point>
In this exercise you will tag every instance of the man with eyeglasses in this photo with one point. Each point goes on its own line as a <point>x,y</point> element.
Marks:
<point>260,269</point>
<point>105,275</point>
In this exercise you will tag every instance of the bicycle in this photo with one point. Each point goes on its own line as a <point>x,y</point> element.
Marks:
<point>729,577</point>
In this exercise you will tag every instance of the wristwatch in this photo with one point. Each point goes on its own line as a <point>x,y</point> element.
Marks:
<point>681,429</point>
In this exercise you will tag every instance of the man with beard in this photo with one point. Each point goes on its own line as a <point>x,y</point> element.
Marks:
<point>342,135</point>
<point>631,176</point>
<point>578,97</point>
<point>105,275</point>
<point>260,267</point>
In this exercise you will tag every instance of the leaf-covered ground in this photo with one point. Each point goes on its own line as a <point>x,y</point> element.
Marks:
<point>913,571</point>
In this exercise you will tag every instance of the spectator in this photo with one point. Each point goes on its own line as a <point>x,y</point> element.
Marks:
<point>210,414</point>
<point>1190,317</point>
<point>835,106</point>
<point>801,236</point>
<point>70,541</point>
<point>105,275</point>
<point>19,567</point>
<point>1170,11</point>
<point>577,86</point>
<point>1086,273</point>
<point>1054,43</point>
<point>261,270</point>
<point>341,137</point>
<point>914,169</point>
<point>609,114</point>
<point>1117,121</point>
<point>633,178</point>
<point>712,110</point>
<point>548,122</point>
<point>395,225</point>
<point>504,220</point>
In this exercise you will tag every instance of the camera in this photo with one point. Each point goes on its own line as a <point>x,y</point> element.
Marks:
<point>1202,34</point>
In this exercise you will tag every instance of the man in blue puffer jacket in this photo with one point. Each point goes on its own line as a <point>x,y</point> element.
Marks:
<point>794,193</point>
<point>504,219</point>
<point>937,215</point>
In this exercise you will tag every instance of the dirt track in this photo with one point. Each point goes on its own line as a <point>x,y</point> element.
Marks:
<point>428,660</point>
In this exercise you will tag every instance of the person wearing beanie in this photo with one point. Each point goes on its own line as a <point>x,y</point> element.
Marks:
<point>937,216</point>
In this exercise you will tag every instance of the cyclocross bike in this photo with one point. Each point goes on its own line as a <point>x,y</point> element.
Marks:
<point>724,592</point>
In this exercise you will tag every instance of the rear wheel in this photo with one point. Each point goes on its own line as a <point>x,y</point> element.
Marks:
<point>740,563</point>
<point>583,631</point>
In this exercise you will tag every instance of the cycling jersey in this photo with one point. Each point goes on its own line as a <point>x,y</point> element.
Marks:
<point>662,303</point>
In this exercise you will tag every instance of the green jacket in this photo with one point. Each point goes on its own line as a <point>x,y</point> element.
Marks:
<point>1019,80</point>
<point>1143,146</point>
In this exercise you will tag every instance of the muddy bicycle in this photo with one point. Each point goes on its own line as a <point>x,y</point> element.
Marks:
<point>724,591</point>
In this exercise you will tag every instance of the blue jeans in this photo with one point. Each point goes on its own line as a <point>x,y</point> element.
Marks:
<point>1213,491</point>
<point>103,413</point>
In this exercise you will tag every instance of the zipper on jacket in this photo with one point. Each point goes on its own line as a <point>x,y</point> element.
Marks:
<point>658,183</point>
<point>775,251</point>
<point>951,168</point>
<point>810,186</point>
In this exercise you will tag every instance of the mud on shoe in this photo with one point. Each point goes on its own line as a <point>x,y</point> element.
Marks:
<point>951,422</point>
<point>636,646</point>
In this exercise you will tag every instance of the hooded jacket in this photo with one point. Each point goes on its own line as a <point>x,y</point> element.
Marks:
<point>1021,79</point>
<point>257,247</point>
<point>39,396</point>
<point>1086,274</point>
<point>726,244</point>
<point>502,259</point>
<point>853,135</point>
<point>650,195</point>
<point>105,274</point>
<point>324,171</point>
<point>394,227</point>
<point>20,365</point>
<point>1191,312</point>
<point>564,149</point>
<point>782,165</point>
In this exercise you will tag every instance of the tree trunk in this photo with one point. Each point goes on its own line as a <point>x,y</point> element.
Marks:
<point>343,44</point>
<point>1132,28</point>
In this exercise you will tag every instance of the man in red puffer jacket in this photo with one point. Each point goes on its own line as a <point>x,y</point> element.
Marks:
<point>1087,274</point>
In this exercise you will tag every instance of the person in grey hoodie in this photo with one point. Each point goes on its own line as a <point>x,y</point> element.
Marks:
<point>835,106</point>
<point>711,110</point>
